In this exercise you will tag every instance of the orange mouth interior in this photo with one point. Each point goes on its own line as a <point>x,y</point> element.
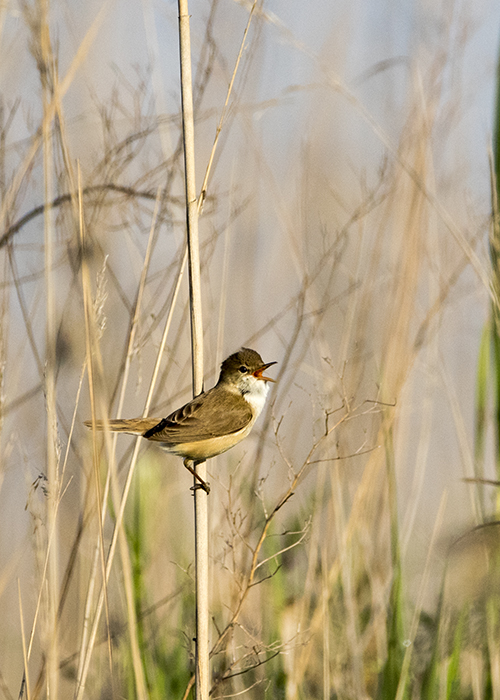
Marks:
<point>258,373</point>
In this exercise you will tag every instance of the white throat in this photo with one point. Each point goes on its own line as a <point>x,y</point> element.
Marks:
<point>255,392</point>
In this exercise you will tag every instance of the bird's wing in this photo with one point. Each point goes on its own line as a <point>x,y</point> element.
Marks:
<point>212,414</point>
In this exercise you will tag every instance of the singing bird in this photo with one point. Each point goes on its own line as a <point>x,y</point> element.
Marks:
<point>212,422</point>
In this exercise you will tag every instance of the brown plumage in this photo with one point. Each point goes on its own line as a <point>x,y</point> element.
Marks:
<point>215,420</point>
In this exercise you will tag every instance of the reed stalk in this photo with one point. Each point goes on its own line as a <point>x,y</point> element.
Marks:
<point>200,495</point>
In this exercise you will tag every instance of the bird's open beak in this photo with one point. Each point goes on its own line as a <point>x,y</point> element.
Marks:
<point>258,372</point>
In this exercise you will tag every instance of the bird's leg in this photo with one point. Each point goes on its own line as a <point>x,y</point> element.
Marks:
<point>202,483</point>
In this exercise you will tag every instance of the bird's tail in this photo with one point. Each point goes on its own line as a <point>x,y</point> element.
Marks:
<point>134,426</point>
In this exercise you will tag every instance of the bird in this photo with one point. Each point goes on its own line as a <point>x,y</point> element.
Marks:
<point>214,421</point>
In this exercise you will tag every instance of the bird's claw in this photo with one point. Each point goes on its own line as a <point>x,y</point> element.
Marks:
<point>201,485</point>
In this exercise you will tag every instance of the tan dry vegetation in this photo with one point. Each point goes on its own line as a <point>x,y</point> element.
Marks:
<point>335,240</point>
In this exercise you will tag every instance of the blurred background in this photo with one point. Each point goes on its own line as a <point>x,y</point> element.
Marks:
<point>345,234</point>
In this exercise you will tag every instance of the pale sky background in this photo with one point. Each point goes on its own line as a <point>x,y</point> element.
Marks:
<point>298,45</point>
<point>289,133</point>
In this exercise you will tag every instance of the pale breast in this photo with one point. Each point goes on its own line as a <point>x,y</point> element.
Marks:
<point>200,450</point>
<point>256,397</point>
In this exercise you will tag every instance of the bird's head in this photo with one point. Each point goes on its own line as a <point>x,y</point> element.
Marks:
<point>244,369</point>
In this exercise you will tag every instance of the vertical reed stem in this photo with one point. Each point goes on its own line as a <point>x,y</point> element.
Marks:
<point>52,586</point>
<point>200,496</point>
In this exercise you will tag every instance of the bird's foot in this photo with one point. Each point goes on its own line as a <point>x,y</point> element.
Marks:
<point>202,484</point>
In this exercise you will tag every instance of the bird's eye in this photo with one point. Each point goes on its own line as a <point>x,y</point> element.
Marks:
<point>243,369</point>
